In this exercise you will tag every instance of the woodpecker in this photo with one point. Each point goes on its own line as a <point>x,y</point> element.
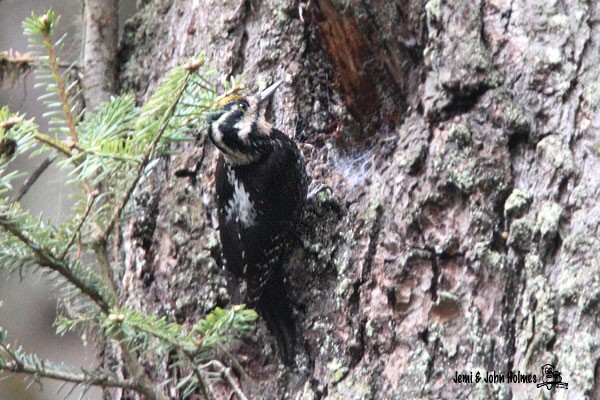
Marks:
<point>261,187</point>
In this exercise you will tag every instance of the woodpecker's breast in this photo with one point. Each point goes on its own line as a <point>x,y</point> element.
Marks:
<point>259,205</point>
<point>240,207</point>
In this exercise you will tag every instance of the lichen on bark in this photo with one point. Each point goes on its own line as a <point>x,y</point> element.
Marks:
<point>464,198</point>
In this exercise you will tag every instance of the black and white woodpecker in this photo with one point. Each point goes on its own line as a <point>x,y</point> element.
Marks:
<point>261,187</point>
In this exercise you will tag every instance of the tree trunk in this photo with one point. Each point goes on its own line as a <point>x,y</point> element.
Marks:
<point>461,143</point>
<point>101,33</point>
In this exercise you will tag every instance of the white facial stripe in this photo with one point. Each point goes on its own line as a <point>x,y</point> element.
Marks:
<point>217,134</point>
<point>244,127</point>
<point>232,156</point>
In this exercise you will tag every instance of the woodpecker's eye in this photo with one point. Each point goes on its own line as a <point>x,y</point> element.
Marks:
<point>242,107</point>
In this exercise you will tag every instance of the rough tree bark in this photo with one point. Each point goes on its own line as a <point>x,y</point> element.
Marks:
<point>100,43</point>
<point>461,142</point>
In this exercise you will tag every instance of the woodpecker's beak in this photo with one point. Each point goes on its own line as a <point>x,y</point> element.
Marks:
<point>268,92</point>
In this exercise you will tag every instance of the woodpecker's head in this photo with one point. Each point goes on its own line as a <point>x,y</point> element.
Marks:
<point>239,129</point>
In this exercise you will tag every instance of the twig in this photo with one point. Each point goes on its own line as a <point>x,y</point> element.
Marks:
<point>179,346</point>
<point>116,157</point>
<point>60,85</point>
<point>33,178</point>
<point>14,64</point>
<point>77,230</point>
<point>234,362</point>
<point>238,391</point>
<point>135,368</point>
<point>15,57</point>
<point>102,381</point>
<point>45,258</point>
<point>201,384</point>
<point>58,145</point>
<point>20,366</point>
<point>105,268</point>
<point>225,373</point>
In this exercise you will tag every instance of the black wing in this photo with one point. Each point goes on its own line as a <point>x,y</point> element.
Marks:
<point>277,187</point>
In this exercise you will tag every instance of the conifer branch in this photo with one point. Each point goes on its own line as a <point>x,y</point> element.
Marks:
<point>135,368</point>
<point>116,157</point>
<point>108,154</point>
<point>77,230</point>
<point>209,334</point>
<point>164,124</point>
<point>101,252</point>
<point>31,179</point>
<point>19,364</point>
<point>77,378</point>
<point>45,258</point>
<point>56,144</point>
<point>56,74</point>
<point>225,373</point>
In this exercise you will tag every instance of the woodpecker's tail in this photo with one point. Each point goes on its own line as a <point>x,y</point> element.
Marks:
<point>275,307</point>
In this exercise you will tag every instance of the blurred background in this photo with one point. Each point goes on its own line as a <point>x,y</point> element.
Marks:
<point>29,307</point>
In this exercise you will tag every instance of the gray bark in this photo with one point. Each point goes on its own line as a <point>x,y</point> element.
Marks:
<point>101,39</point>
<point>461,142</point>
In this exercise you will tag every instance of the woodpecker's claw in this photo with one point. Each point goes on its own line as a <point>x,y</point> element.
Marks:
<point>312,195</point>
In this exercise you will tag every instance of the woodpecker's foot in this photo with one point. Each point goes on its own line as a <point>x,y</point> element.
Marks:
<point>320,194</point>
<point>321,200</point>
